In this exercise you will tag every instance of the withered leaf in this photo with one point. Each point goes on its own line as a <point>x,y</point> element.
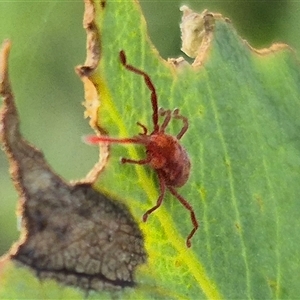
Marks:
<point>70,232</point>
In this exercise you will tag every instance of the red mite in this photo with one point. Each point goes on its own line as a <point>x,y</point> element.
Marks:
<point>163,151</point>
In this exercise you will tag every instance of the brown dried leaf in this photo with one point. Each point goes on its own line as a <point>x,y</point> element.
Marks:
<point>70,232</point>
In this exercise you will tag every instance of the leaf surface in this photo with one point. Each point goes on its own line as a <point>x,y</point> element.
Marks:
<point>242,107</point>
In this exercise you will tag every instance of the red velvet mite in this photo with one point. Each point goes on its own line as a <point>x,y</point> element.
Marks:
<point>163,151</point>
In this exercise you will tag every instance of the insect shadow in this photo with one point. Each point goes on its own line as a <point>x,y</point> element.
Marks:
<point>163,151</point>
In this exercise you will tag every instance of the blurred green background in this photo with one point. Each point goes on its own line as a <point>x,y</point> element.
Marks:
<point>48,41</point>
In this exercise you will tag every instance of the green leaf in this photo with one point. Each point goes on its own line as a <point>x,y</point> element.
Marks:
<point>242,142</point>
<point>21,283</point>
<point>242,107</point>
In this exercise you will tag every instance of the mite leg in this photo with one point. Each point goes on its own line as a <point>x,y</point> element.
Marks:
<point>162,186</point>
<point>94,139</point>
<point>149,84</point>
<point>185,127</point>
<point>145,130</point>
<point>193,216</point>
<point>167,114</point>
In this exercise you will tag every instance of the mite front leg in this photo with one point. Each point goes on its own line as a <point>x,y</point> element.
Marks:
<point>167,114</point>
<point>145,130</point>
<point>185,127</point>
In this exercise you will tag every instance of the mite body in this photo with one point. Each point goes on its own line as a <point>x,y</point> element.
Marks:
<point>169,158</point>
<point>164,152</point>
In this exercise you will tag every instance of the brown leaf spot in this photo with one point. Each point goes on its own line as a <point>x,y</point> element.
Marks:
<point>197,33</point>
<point>103,4</point>
<point>93,46</point>
<point>70,233</point>
<point>91,88</point>
<point>75,234</point>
